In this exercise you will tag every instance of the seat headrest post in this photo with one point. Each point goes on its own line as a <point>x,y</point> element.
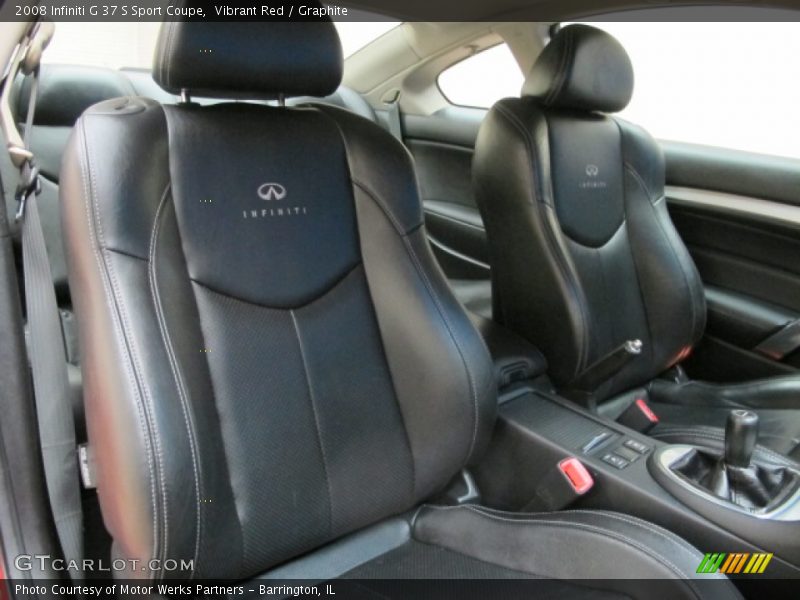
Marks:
<point>582,68</point>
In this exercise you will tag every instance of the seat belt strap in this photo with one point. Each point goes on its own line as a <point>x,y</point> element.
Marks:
<point>395,123</point>
<point>49,364</point>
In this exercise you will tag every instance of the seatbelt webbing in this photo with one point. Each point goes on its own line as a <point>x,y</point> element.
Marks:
<point>50,384</point>
<point>49,368</point>
<point>394,122</point>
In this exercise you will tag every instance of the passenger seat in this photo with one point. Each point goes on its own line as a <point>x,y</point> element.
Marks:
<point>585,256</point>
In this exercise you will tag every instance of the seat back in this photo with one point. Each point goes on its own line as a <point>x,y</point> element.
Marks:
<point>584,255</point>
<point>272,358</point>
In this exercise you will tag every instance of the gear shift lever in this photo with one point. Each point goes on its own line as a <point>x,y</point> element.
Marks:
<point>741,433</point>
<point>732,476</point>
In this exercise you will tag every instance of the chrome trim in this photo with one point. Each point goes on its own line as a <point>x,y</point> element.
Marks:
<point>770,210</point>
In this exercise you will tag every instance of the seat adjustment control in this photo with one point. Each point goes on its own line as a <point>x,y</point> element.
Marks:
<point>615,460</point>
<point>636,446</point>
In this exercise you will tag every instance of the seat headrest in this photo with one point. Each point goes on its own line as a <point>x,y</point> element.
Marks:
<point>248,59</point>
<point>582,68</point>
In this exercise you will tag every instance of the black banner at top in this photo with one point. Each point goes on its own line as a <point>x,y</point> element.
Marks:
<point>400,10</point>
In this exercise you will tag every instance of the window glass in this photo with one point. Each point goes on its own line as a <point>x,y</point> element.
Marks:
<point>733,85</point>
<point>111,45</point>
<point>116,45</point>
<point>482,79</point>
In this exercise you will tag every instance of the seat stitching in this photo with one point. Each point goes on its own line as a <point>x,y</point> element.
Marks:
<point>646,308</point>
<point>659,531</point>
<point>666,534</point>
<point>600,531</point>
<point>322,110</point>
<point>692,303</point>
<point>437,302</point>
<point>597,529</point>
<point>324,293</point>
<point>563,67</point>
<point>135,359</point>
<point>175,368</point>
<point>316,419</point>
<point>379,201</point>
<point>111,302</point>
<point>561,260</point>
<point>600,245</point>
<point>443,314</point>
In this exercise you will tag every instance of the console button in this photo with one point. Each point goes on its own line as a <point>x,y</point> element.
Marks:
<point>615,460</point>
<point>636,446</point>
<point>627,454</point>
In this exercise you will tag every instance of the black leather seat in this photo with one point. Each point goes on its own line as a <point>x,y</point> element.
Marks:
<point>584,254</point>
<point>273,360</point>
<point>65,92</point>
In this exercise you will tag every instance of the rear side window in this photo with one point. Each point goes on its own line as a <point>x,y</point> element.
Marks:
<point>732,85</point>
<point>131,44</point>
<point>483,78</point>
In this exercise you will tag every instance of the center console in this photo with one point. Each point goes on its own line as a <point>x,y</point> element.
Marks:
<point>744,499</point>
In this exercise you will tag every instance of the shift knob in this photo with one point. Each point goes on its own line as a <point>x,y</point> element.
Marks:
<point>741,433</point>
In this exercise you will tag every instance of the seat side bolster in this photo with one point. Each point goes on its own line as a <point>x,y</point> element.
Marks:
<point>534,277</point>
<point>623,551</point>
<point>412,302</point>
<point>115,176</point>
<point>670,283</point>
<point>126,473</point>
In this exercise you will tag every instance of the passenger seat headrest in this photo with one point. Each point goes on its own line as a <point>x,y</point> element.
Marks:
<point>248,59</point>
<point>582,68</point>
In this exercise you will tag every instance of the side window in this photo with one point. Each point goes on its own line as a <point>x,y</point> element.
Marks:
<point>730,85</point>
<point>482,79</point>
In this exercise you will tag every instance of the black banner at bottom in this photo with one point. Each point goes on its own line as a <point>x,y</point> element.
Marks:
<point>402,589</point>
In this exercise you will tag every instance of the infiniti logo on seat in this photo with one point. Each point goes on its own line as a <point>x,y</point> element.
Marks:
<point>592,183</point>
<point>275,191</point>
<point>271,191</point>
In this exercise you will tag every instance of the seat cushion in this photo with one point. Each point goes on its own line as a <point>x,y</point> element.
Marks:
<point>572,554</point>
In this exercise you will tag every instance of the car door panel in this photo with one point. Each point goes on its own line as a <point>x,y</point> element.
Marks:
<point>739,215</point>
<point>442,146</point>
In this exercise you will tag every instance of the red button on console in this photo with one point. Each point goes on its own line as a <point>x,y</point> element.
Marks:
<point>579,478</point>
<point>647,411</point>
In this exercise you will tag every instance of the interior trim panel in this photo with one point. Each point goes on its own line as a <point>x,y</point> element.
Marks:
<point>753,208</point>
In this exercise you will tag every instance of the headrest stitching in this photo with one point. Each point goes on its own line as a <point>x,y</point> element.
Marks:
<point>556,89</point>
